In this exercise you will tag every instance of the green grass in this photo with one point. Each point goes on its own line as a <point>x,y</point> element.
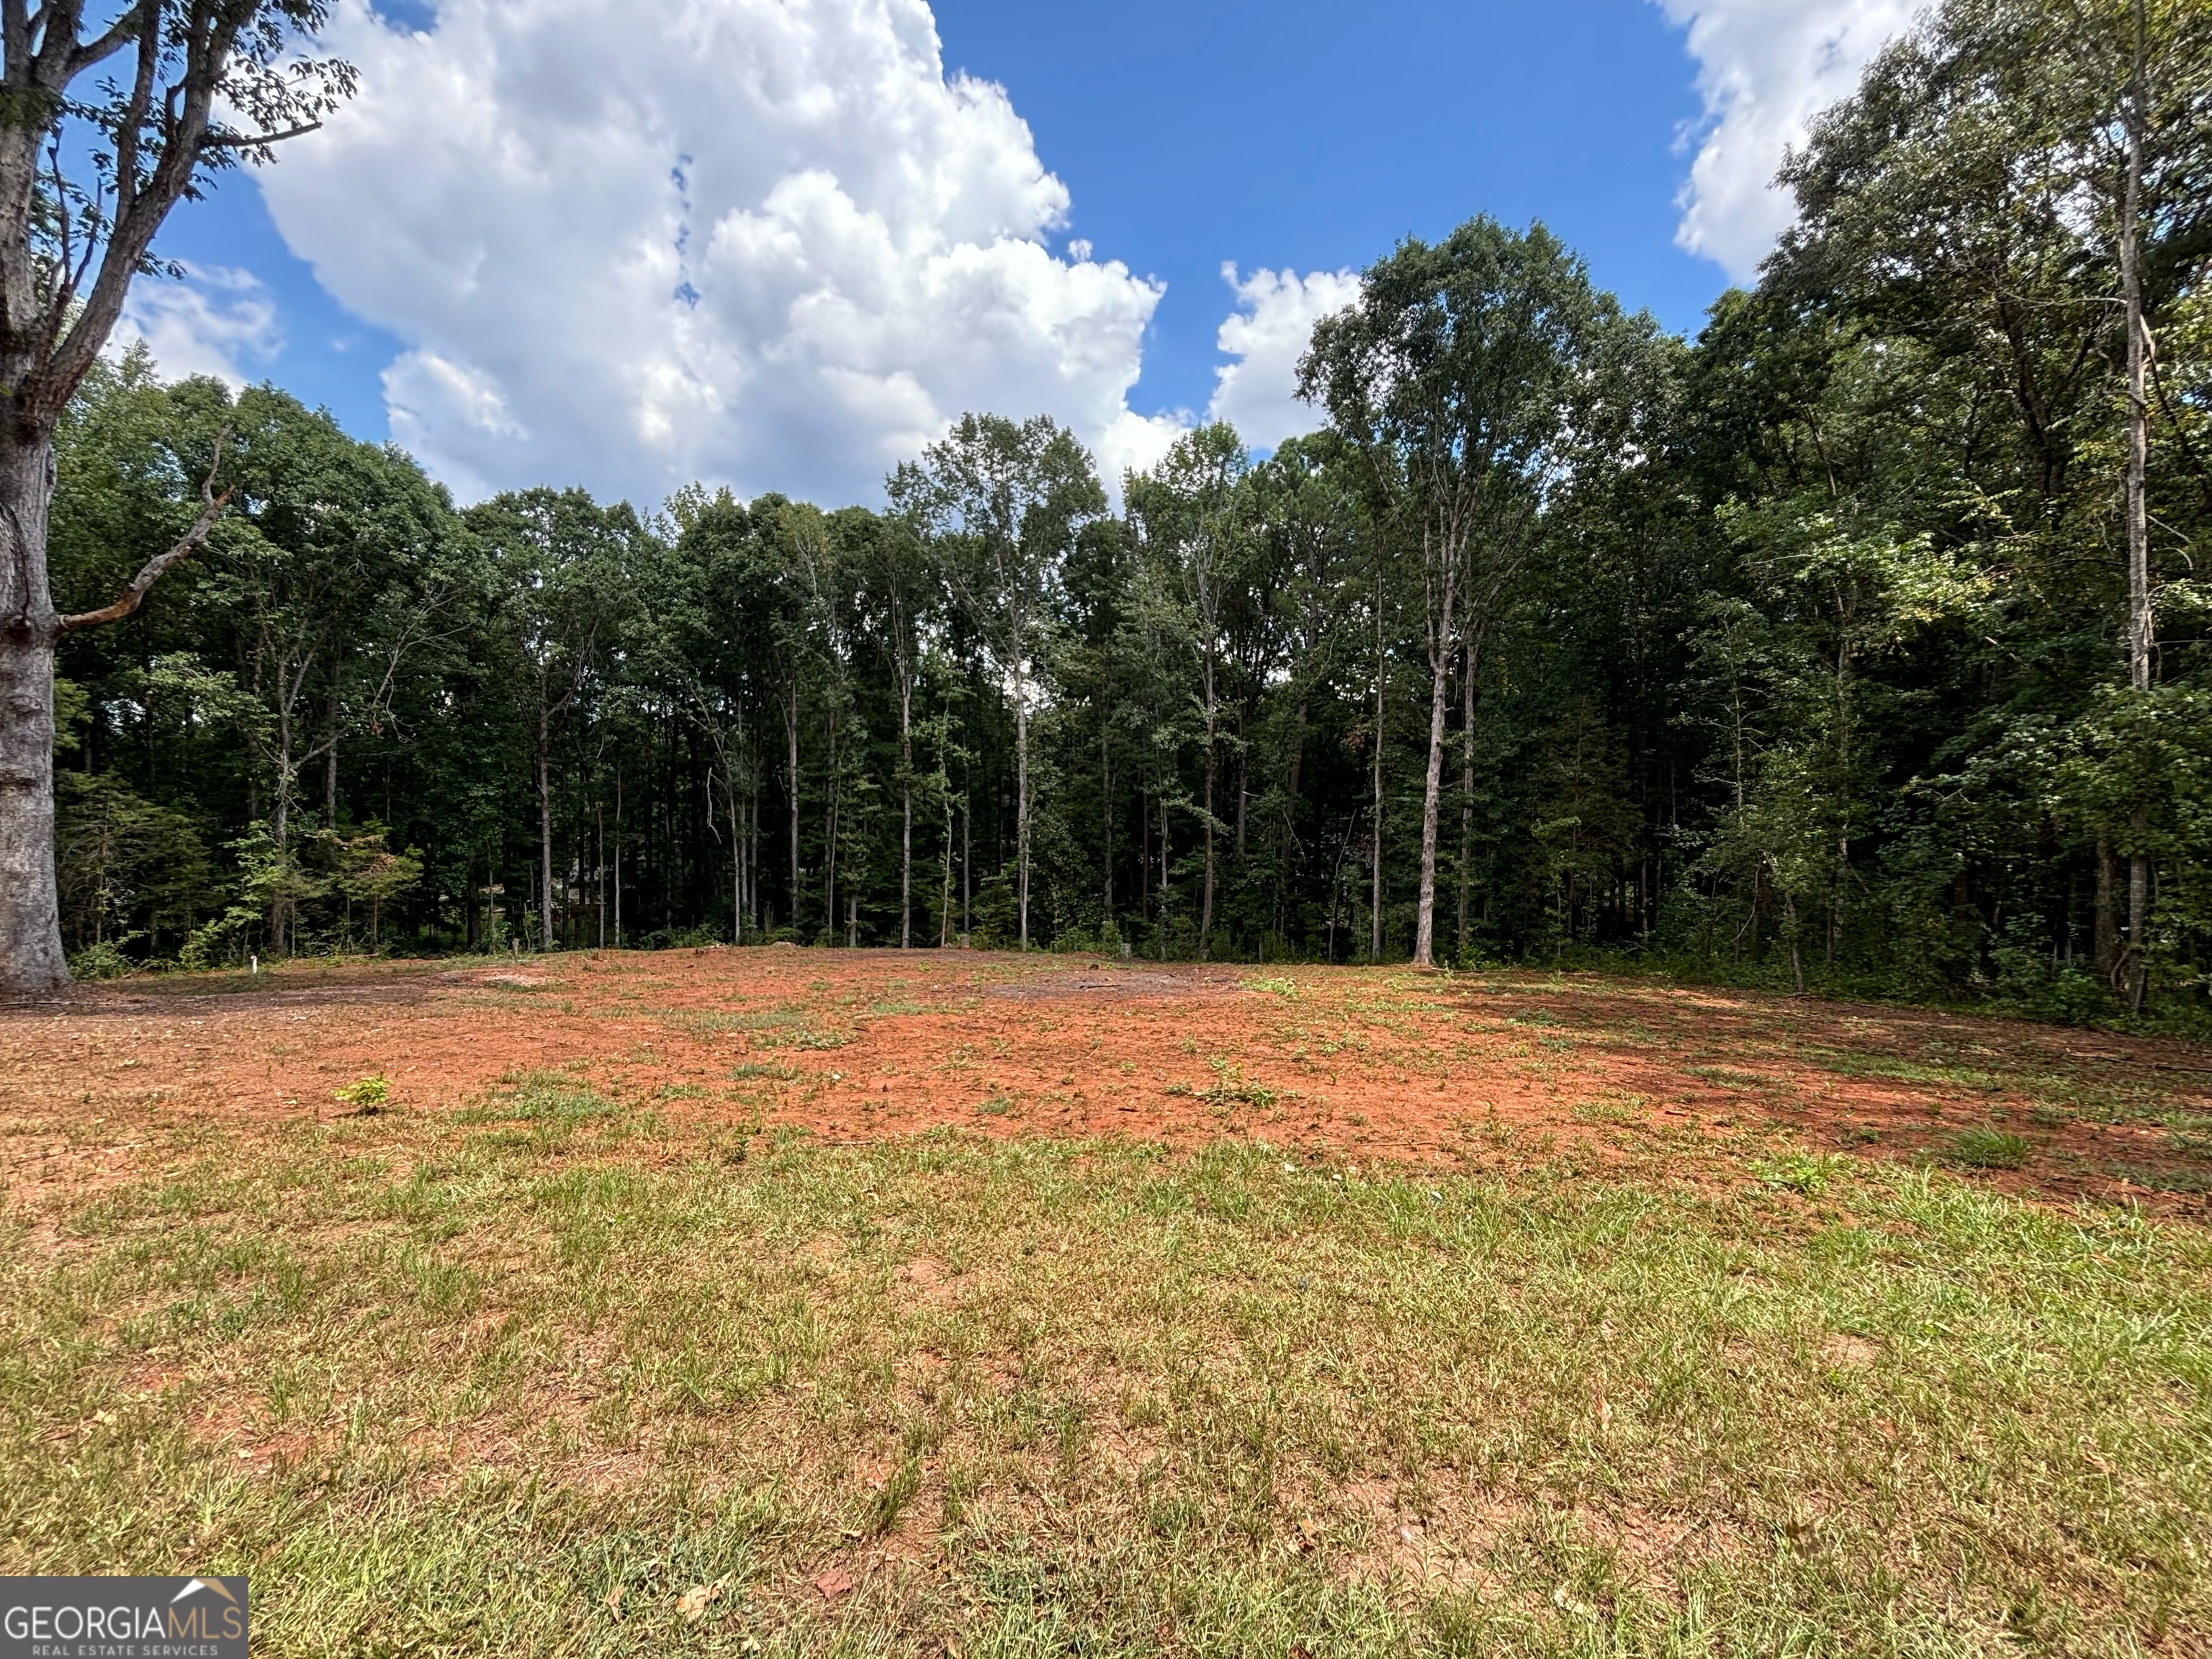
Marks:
<point>445,1384</point>
<point>1983,1148</point>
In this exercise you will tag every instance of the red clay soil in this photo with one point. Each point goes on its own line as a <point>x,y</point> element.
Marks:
<point>1351,1064</point>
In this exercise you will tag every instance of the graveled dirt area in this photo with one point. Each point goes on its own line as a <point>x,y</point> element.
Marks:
<point>1464,1071</point>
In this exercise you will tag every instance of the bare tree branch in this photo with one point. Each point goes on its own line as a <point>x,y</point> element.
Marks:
<point>120,34</point>
<point>131,597</point>
<point>57,26</point>
<point>135,113</point>
<point>253,140</point>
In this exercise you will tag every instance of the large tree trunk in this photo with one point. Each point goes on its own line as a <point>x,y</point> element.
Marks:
<point>30,910</point>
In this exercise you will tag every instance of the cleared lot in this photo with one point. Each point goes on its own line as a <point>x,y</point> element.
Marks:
<point>855,1303</point>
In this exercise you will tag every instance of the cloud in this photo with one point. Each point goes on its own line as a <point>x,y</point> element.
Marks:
<point>1136,443</point>
<point>214,321</point>
<point>1764,69</point>
<point>1266,334</point>
<point>769,243</point>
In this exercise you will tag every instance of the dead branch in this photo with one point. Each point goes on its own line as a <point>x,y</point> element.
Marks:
<point>131,597</point>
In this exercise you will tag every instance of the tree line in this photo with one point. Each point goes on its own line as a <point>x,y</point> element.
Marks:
<point>1857,642</point>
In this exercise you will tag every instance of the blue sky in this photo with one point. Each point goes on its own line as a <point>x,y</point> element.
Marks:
<point>842,233</point>
<point>1316,135</point>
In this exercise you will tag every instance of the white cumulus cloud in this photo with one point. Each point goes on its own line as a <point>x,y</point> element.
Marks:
<point>214,319</point>
<point>1764,69</point>
<point>1266,334</point>
<point>769,243</point>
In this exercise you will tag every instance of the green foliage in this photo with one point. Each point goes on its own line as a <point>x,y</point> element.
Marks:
<point>1786,654</point>
<point>364,1094</point>
<point>103,960</point>
<point>129,870</point>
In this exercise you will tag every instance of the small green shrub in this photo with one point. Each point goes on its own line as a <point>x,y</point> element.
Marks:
<point>101,961</point>
<point>364,1094</point>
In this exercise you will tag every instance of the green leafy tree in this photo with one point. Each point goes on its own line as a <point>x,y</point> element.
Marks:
<point>92,160</point>
<point>1454,374</point>
<point>1004,503</point>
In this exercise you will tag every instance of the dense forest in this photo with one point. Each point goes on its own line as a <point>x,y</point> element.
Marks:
<point>1858,642</point>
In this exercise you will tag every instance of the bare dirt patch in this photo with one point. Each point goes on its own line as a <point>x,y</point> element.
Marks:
<point>1097,983</point>
<point>1331,1064</point>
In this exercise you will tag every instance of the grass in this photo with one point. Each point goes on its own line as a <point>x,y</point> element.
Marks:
<point>1983,1148</point>
<point>523,1378</point>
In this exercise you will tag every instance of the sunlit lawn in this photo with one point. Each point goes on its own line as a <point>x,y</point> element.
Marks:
<point>549,1375</point>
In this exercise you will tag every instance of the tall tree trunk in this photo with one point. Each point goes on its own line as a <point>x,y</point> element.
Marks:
<point>1206,903</point>
<point>791,765</point>
<point>1163,876</point>
<point>1442,636</point>
<point>280,903</point>
<point>31,956</point>
<point>331,770</point>
<point>1022,799</point>
<point>1469,661</point>
<point>1106,821</point>
<point>1374,904</point>
<point>906,813</point>
<point>2140,622</point>
<point>944,900</point>
<point>738,854</point>
<point>830,797</point>
<point>1144,856</point>
<point>544,837</point>
<point>1291,832</point>
<point>1424,923</point>
<point>1243,782</point>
